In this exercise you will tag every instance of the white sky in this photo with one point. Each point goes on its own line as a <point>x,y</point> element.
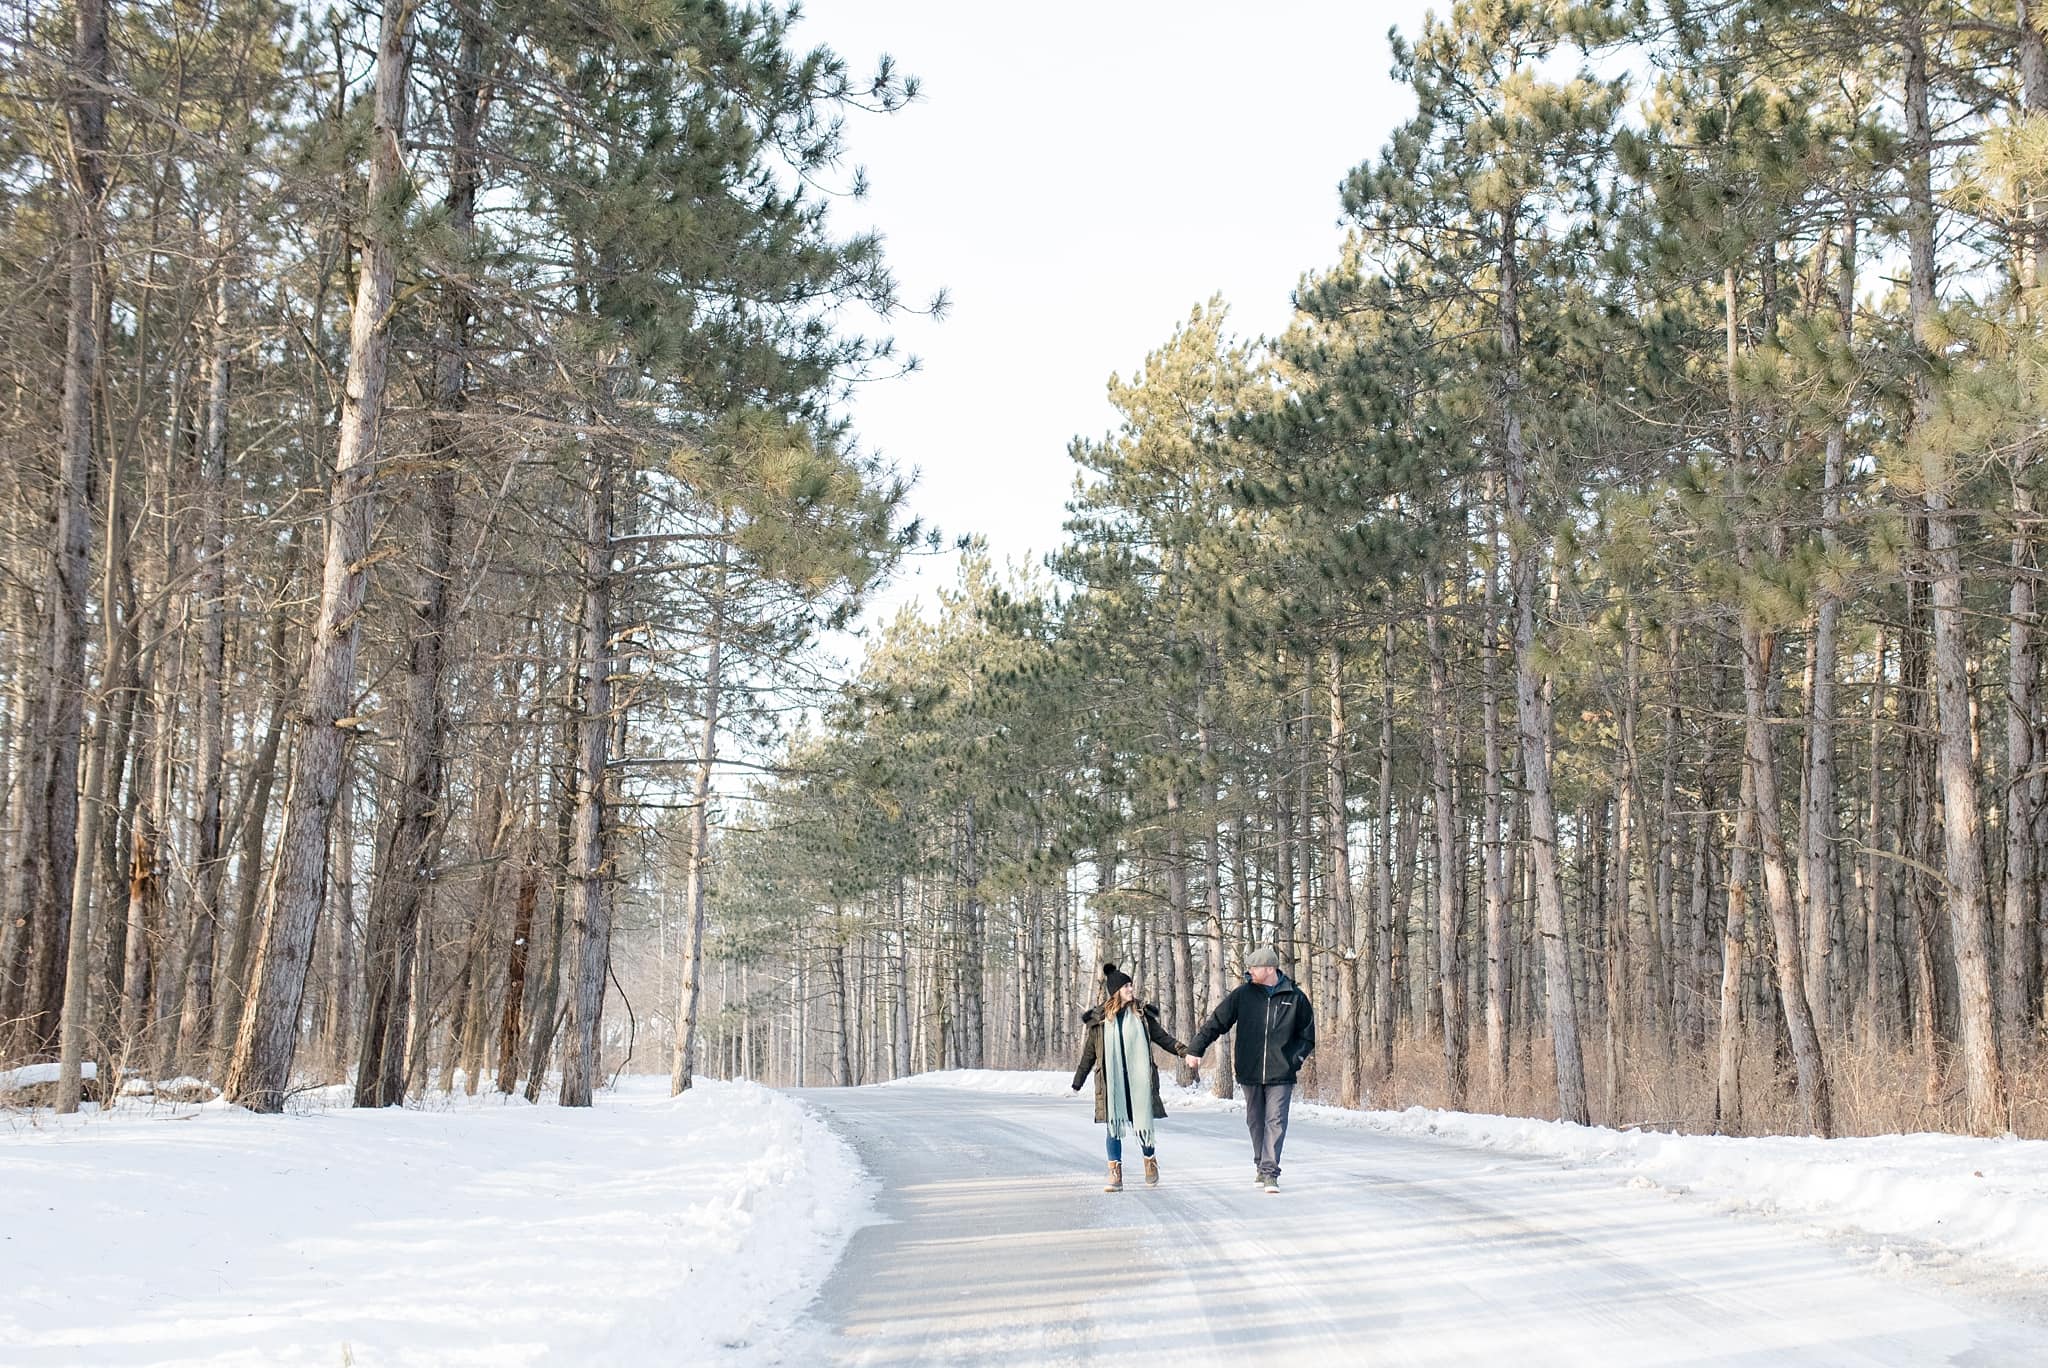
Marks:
<point>1078,177</point>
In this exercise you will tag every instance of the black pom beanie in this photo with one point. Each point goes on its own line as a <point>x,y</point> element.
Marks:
<point>1113,978</point>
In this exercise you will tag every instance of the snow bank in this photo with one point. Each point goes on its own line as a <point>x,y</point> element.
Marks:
<point>1016,1082</point>
<point>31,1075</point>
<point>471,1231</point>
<point>1982,1198</point>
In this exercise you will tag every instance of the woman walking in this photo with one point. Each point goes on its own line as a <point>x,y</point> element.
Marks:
<point>1118,1051</point>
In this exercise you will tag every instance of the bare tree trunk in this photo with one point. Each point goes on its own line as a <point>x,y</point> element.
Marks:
<point>1181,1006</point>
<point>547,1014</point>
<point>55,859</point>
<point>1285,929</point>
<point>120,635</point>
<point>1728,1074</point>
<point>342,900</point>
<point>1532,712</point>
<point>1222,1083</point>
<point>588,906</point>
<point>1621,937</point>
<point>411,847</point>
<point>1758,668</point>
<point>1498,950</point>
<point>152,740</point>
<point>515,980</point>
<point>252,815</point>
<point>187,1016</point>
<point>694,914</point>
<point>1386,945</point>
<point>97,797</point>
<point>842,1057</point>
<point>1877,907</point>
<point>1449,931</point>
<point>2023,785</point>
<point>1820,883</point>
<point>2016,1004</point>
<point>973,954</point>
<point>900,1030</point>
<point>260,1072</point>
<point>1344,930</point>
<point>1968,910</point>
<point>1660,1013</point>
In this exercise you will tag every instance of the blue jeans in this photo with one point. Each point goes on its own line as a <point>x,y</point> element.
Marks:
<point>1116,1148</point>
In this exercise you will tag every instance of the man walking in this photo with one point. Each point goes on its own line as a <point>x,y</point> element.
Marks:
<point>1276,1031</point>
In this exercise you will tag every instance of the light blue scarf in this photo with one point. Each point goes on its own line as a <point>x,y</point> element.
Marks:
<point>1127,1073</point>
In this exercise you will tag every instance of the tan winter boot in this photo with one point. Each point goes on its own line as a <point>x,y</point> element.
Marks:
<point>1151,1171</point>
<point>1116,1177</point>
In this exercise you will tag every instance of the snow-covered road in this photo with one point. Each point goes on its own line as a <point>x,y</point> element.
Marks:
<point>998,1246</point>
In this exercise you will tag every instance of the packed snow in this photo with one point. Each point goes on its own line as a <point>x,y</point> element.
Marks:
<point>1982,1198</point>
<point>999,1248</point>
<point>467,1231</point>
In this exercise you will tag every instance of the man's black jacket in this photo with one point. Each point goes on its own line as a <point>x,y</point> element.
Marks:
<point>1275,1031</point>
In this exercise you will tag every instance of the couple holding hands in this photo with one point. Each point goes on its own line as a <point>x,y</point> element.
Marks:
<point>1275,1033</point>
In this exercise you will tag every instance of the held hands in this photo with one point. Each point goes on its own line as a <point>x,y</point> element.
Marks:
<point>1194,1061</point>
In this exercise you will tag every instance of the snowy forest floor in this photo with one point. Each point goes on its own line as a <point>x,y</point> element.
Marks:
<point>466,1231</point>
<point>736,1225</point>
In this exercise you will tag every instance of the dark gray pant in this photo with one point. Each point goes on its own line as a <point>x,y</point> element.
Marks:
<point>1265,1115</point>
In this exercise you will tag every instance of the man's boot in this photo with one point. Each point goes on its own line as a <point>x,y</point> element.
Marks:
<point>1151,1171</point>
<point>1116,1177</point>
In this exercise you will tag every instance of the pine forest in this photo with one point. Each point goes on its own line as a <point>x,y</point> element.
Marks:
<point>1598,641</point>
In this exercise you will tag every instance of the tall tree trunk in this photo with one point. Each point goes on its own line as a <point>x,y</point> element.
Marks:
<point>411,847</point>
<point>341,895</point>
<point>52,854</point>
<point>1660,1012</point>
<point>900,1032</point>
<point>1498,964</point>
<point>2020,948</point>
<point>1621,937</point>
<point>153,736</point>
<point>1344,929</point>
<point>589,909</point>
<point>1758,669</point>
<point>260,1073</point>
<point>188,1016</point>
<point>974,952</point>
<point>251,817</point>
<point>1532,710</point>
<point>1820,882</point>
<point>2017,979</point>
<point>515,979</point>
<point>1181,1005</point>
<point>114,684</point>
<point>1285,930</point>
<point>694,924</point>
<point>1878,1018</point>
<point>1968,911</point>
<point>547,1013</point>
<point>1222,1083</point>
<point>1728,1072</point>
<point>1449,932</point>
<point>1386,944</point>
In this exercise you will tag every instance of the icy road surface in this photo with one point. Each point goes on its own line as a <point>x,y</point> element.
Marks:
<point>997,1246</point>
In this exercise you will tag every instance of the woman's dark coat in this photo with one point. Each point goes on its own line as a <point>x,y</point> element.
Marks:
<point>1091,1058</point>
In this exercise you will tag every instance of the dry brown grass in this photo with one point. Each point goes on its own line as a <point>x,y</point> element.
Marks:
<point>1878,1089</point>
